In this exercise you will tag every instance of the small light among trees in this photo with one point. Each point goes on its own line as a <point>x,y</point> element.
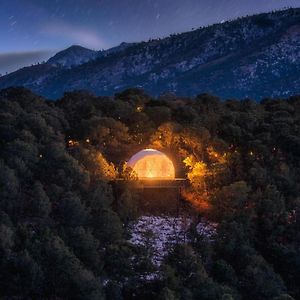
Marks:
<point>72,143</point>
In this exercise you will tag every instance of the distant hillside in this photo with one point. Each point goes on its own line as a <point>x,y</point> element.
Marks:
<point>72,56</point>
<point>255,56</point>
<point>77,55</point>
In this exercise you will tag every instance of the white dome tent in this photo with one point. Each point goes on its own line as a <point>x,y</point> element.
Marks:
<point>152,164</point>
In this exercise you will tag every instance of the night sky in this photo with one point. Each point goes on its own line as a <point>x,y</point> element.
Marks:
<point>33,30</point>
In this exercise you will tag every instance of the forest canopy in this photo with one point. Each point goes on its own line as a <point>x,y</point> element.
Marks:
<point>64,224</point>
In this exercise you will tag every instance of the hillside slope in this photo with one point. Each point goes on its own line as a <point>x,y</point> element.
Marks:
<point>255,57</point>
<point>72,56</point>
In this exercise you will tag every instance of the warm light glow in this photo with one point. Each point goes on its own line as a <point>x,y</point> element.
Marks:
<point>152,164</point>
<point>72,143</point>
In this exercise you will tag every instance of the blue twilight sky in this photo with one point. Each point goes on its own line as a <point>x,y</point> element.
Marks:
<point>33,30</point>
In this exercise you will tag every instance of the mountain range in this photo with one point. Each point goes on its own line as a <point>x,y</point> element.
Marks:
<point>251,57</point>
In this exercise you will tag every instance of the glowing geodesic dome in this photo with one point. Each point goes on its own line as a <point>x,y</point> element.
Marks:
<point>152,164</point>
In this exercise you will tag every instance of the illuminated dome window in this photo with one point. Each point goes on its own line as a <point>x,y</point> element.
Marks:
<point>152,164</point>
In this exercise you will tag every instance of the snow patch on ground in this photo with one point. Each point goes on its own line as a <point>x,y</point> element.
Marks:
<point>161,233</point>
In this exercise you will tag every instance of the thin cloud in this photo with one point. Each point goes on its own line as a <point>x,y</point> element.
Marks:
<point>10,62</point>
<point>75,35</point>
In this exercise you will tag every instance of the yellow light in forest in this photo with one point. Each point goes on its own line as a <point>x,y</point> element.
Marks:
<point>152,164</point>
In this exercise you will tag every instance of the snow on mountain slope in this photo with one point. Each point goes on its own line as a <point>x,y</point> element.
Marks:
<point>255,56</point>
<point>72,56</point>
